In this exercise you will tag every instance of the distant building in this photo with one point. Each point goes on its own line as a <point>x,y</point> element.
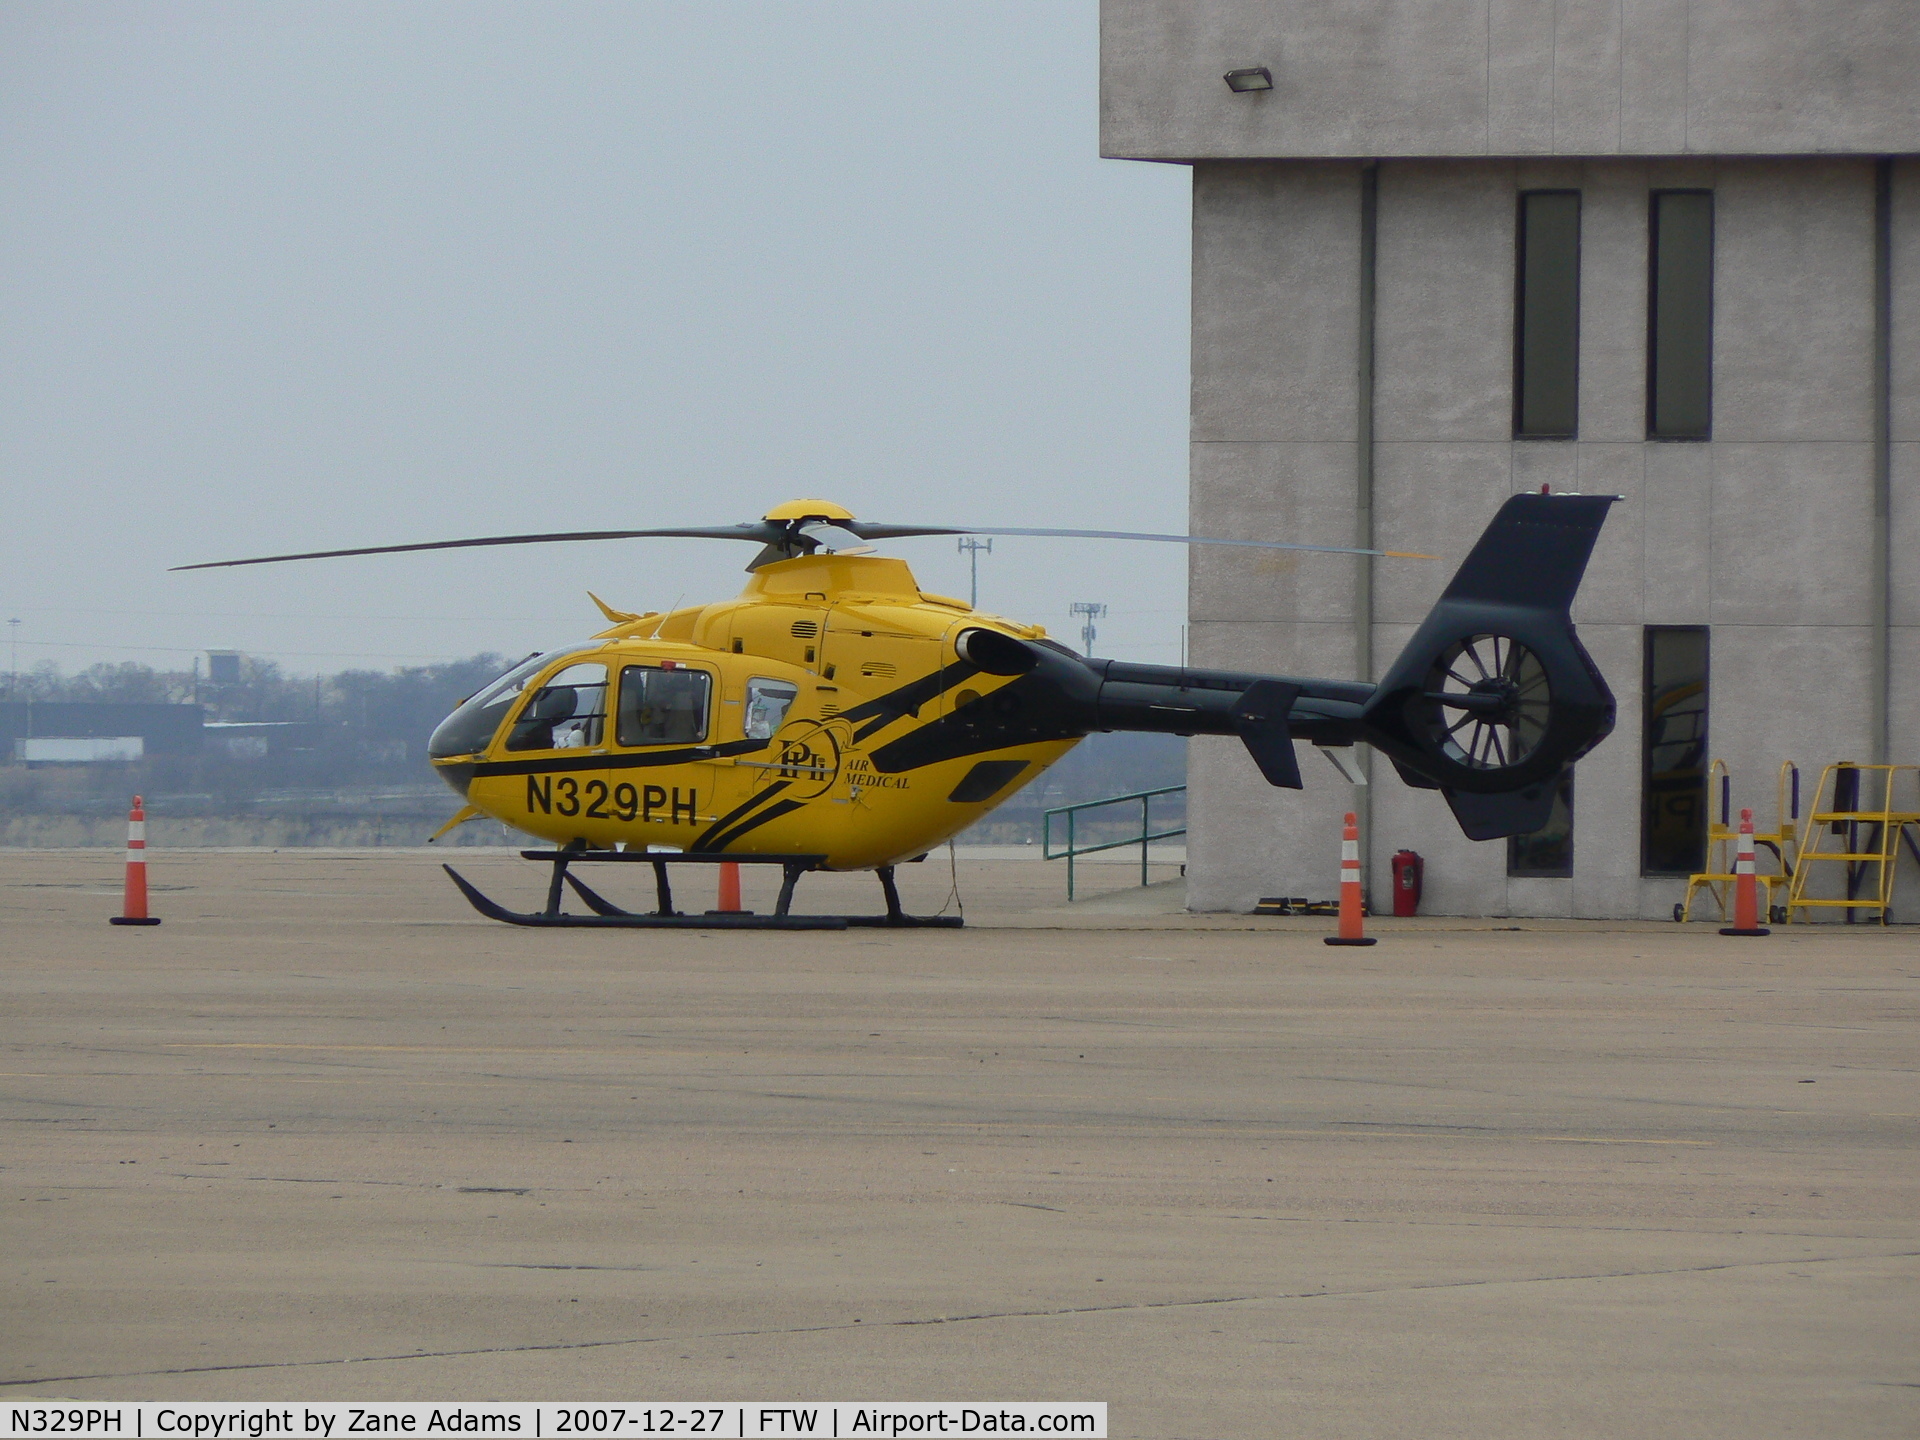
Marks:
<point>1667,250</point>
<point>37,732</point>
<point>257,739</point>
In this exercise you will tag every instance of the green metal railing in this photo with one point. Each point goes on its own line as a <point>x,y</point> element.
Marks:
<point>1073,848</point>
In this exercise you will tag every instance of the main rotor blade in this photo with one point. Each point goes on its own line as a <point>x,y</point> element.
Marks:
<point>768,532</point>
<point>759,530</point>
<point>887,532</point>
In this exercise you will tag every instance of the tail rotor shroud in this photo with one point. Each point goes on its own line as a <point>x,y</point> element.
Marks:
<point>1494,697</point>
<point>1491,701</point>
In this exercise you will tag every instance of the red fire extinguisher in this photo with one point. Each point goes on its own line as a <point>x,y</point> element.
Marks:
<point>1407,870</point>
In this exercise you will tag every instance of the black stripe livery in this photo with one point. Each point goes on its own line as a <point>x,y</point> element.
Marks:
<point>772,812</point>
<point>882,712</point>
<point>705,840</point>
<point>643,760</point>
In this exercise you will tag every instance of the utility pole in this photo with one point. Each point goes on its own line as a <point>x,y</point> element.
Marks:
<point>971,548</point>
<point>1089,611</point>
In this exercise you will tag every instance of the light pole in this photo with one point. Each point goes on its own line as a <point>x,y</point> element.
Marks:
<point>971,548</point>
<point>13,657</point>
<point>1089,611</point>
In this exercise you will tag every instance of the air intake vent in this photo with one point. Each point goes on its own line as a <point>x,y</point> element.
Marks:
<point>879,669</point>
<point>805,629</point>
<point>829,709</point>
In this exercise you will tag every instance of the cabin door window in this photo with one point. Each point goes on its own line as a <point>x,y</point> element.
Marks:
<point>659,706</point>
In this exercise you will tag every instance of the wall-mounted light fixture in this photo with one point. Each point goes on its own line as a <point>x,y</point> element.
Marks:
<point>1256,77</point>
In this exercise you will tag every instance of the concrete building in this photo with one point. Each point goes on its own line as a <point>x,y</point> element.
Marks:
<point>1664,249</point>
<point>155,729</point>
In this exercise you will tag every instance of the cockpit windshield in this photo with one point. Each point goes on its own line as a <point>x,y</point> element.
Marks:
<point>569,712</point>
<point>468,729</point>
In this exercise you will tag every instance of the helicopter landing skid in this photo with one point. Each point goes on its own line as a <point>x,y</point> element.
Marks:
<point>606,914</point>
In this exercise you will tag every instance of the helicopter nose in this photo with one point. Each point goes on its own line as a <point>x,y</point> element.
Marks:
<point>459,778</point>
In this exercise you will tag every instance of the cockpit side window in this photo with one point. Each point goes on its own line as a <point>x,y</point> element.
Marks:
<point>569,712</point>
<point>661,706</point>
<point>471,726</point>
<point>767,704</point>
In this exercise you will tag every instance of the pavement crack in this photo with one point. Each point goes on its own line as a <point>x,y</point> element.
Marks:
<point>1597,1275</point>
<point>627,1340</point>
<point>1121,1307</point>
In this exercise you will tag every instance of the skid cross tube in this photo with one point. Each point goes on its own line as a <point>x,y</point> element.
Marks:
<point>606,914</point>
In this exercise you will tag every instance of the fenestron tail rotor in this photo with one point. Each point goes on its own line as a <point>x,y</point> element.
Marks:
<point>801,527</point>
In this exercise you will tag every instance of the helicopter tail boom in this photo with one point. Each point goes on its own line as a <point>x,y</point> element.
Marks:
<point>1488,703</point>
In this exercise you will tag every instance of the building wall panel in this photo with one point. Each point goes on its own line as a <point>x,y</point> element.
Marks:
<point>1792,534</point>
<point>1586,79</point>
<point>1298,492</point>
<point>1519,107</point>
<point>1444,334</point>
<point>1676,533</point>
<point>1276,279</point>
<point>1906,299</point>
<point>1793,300</point>
<point>1358,78</point>
<point>1784,76</point>
<point>1653,77</point>
<point>1613,301</point>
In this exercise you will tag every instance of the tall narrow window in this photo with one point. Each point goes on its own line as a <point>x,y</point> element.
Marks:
<point>1546,346</point>
<point>1548,850</point>
<point>1673,809</point>
<point>1680,316</point>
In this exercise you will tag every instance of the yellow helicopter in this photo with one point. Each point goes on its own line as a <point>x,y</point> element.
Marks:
<point>835,716</point>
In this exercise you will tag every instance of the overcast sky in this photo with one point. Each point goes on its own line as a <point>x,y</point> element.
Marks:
<point>297,276</point>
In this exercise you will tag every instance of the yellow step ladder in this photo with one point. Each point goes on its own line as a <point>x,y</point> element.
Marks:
<point>1866,837</point>
<point>1723,837</point>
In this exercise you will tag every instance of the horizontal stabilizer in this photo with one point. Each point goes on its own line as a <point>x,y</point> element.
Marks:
<point>1261,718</point>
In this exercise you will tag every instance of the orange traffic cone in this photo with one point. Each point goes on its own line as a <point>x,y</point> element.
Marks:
<point>1352,928</point>
<point>729,888</point>
<point>1746,889</point>
<point>134,906</point>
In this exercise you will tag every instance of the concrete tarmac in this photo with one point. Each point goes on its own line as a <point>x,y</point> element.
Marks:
<point>327,1134</point>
